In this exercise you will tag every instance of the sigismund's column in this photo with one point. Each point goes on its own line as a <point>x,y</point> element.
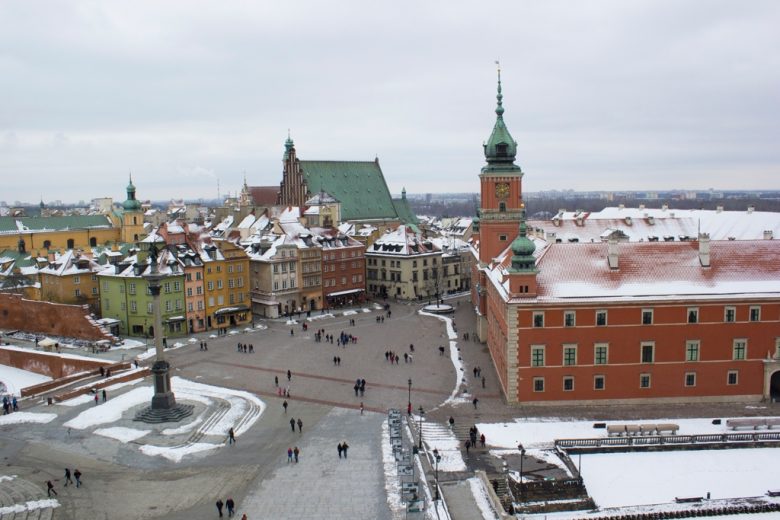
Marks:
<point>164,407</point>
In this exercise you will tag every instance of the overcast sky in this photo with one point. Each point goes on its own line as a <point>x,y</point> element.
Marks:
<point>601,95</point>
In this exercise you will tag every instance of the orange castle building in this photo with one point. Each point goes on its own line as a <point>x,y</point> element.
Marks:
<point>616,322</point>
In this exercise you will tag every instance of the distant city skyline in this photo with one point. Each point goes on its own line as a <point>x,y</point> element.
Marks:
<point>600,96</point>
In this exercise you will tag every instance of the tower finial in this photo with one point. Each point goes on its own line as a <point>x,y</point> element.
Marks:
<point>499,96</point>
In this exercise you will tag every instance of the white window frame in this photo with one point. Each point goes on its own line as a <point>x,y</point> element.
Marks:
<point>734,349</point>
<point>566,347</point>
<point>538,380</point>
<point>534,315</point>
<point>652,316</point>
<point>572,315</point>
<point>757,310</point>
<point>642,346</point>
<point>734,373</point>
<point>732,311</point>
<point>649,380</point>
<point>606,318</point>
<point>537,348</point>
<point>603,382</point>
<point>688,344</point>
<point>563,382</point>
<point>690,375</point>
<point>597,346</point>
<point>688,312</point>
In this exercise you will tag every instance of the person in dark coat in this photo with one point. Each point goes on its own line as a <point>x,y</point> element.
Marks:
<point>345,447</point>
<point>340,448</point>
<point>67,477</point>
<point>231,506</point>
<point>284,405</point>
<point>296,452</point>
<point>219,507</point>
<point>50,488</point>
<point>300,426</point>
<point>292,425</point>
<point>77,476</point>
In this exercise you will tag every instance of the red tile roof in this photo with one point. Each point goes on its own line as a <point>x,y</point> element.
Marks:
<point>264,195</point>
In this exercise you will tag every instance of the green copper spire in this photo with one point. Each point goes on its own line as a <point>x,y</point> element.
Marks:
<point>131,204</point>
<point>288,145</point>
<point>523,249</point>
<point>500,147</point>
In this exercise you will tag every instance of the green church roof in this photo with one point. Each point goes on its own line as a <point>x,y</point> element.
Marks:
<point>359,185</point>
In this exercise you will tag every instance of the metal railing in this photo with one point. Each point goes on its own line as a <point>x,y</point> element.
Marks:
<point>658,440</point>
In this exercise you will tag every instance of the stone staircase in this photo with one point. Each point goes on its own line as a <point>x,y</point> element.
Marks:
<point>19,500</point>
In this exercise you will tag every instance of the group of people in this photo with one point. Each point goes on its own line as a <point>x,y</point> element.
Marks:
<point>10,404</point>
<point>471,442</point>
<point>477,371</point>
<point>293,422</point>
<point>230,505</point>
<point>343,447</point>
<point>68,480</point>
<point>394,358</point>
<point>360,387</point>
<point>293,453</point>
<point>337,360</point>
<point>243,347</point>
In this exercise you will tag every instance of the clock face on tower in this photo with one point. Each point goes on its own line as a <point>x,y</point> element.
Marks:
<point>502,190</point>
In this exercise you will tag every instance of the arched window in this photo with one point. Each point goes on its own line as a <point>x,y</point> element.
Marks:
<point>47,244</point>
<point>71,243</point>
<point>93,242</point>
<point>135,221</point>
<point>502,207</point>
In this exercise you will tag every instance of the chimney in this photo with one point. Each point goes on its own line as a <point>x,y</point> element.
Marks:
<point>768,234</point>
<point>612,253</point>
<point>751,208</point>
<point>629,221</point>
<point>718,209</point>
<point>641,206</point>
<point>621,206</point>
<point>664,207</point>
<point>704,249</point>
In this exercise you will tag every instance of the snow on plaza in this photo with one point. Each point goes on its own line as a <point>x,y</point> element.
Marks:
<point>623,482</point>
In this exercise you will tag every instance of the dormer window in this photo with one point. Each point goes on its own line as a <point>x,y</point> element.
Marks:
<point>501,149</point>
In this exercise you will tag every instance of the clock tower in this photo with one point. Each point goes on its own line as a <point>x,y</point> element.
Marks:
<point>501,198</point>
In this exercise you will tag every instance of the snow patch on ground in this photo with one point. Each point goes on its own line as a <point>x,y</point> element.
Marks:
<point>184,428</point>
<point>481,498</point>
<point>26,417</point>
<point>176,453</point>
<point>443,439</point>
<point>392,483</point>
<point>29,506</point>
<point>7,478</point>
<point>454,357</point>
<point>122,434</point>
<point>15,379</point>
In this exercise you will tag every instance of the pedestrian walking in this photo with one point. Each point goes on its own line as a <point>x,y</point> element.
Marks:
<point>296,452</point>
<point>77,476</point>
<point>482,440</point>
<point>468,445</point>
<point>15,403</point>
<point>67,477</point>
<point>361,407</point>
<point>292,425</point>
<point>105,397</point>
<point>300,426</point>
<point>452,421</point>
<point>284,405</point>
<point>289,455</point>
<point>50,488</point>
<point>219,507</point>
<point>276,381</point>
<point>483,381</point>
<point>289,375</point>
<point>345,447</point>
<point>474,402</point>
<point>96,398</point>
<point>340,448</point>
<point>231,506</point>
<point>231,436</point>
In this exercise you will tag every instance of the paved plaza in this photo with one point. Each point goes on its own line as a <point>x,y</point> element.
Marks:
<point>122,483</point>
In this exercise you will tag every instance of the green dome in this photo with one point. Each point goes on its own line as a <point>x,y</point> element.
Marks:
<point>523,246</point>
<point>131,204</point>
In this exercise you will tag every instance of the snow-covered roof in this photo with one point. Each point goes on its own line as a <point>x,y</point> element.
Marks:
<point>643,224</point>
<point>402,241</point>
<point>652,271</point>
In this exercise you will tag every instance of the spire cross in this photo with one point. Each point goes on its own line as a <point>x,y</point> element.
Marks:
<point>499,96</point>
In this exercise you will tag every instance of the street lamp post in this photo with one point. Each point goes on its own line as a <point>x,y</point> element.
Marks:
<point>437,457</point>
<point>422,412</point>
<point>409,404</point>
<point>522,456</point>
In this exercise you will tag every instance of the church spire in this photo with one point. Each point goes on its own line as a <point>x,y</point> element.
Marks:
<point>500,147</point>
<point>499,96</point>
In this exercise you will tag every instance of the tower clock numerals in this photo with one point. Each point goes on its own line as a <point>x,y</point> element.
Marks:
<point>502,190</point>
